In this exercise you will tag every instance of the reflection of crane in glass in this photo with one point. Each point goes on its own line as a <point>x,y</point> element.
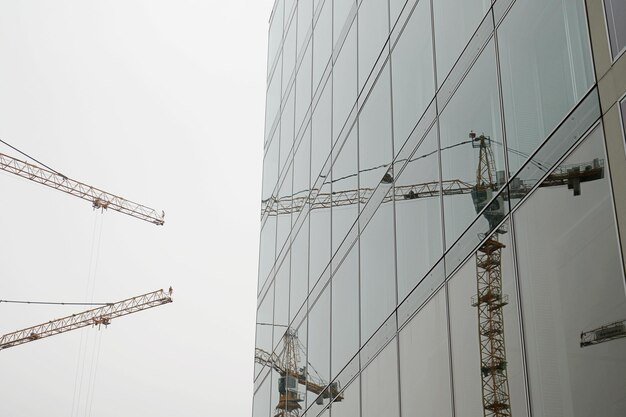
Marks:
<point>291,375</point>
<point>489,298</point>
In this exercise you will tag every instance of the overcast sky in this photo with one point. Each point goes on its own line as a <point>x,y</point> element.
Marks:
<point>162,102</point>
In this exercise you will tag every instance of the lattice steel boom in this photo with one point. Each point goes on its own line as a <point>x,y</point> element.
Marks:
<point>96,316</point>
<point>98,198</point>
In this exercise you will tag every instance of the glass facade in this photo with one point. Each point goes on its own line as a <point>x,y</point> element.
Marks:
<point>438,227</point>
<point>615,17</point>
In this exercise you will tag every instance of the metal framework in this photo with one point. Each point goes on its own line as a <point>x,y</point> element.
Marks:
<point>95,317</point>
<point>490,301</point>
<point>606,333</point>
<point>317,200</point>
<point>99,198</point>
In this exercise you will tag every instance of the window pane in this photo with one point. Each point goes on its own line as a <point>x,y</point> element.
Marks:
<point>424,362</point>
<point>344,186</point>
<point>289,55</point>
<point>350,405</point>
<point>345,314</point>
<point>319,348</point>
<point>499,361</point>
<point>275,34</point>
<point>303,88</point>
<point>341,11</point>
<point>572,282</point>
<point>455,22</point>
<point>321,131</point>
<point>378,281</point>
<point>272,101</point>
<point>418,217</point>
<point>546,69</point>
<point>615,19</point>
<point>305,18</point>
<point>261,407</point>
<point>375,143</point>
<point>267,249</point>
<point>322,42</point>
<point>475,107</point>
<point>413,79</point>
<point>373,32</point>
<point>344,83</point>
<point>380,384</point>
<point>299,270</point>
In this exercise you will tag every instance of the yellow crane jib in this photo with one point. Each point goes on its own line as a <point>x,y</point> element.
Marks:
<point>99,198</point>
<point>94,317</point>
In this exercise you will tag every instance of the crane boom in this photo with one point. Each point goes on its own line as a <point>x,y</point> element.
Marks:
<point>99,198</point>
<point>96,316</point>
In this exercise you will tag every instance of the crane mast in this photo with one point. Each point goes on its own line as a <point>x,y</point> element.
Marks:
<point>99,198</point>
<point>94,317</point>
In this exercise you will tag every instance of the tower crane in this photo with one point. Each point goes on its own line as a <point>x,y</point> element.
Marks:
<point>99,198</point>
<point>291,375</point>
<point>489,299</point>
<point>94,317</point>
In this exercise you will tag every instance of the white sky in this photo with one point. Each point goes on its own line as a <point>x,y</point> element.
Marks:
<point>161,102</point>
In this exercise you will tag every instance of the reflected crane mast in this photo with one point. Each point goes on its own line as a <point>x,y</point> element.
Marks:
<point>94,317</point>
<point>99,198</point>
<point>286,364</point>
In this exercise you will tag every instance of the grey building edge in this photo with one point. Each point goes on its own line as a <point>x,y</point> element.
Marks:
<point>611,80</point>
<point>599,108</point>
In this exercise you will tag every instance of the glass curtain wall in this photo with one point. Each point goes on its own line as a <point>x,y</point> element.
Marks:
<point>413,148</point>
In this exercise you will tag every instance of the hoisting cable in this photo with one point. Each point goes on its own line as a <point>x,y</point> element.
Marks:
<point>30,157</point>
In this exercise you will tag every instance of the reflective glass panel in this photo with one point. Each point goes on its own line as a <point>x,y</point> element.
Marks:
<point>378,281</point>
<point>344,82</point>
<point>305,19</point>
<point>375,142</point>
<point>373,22</point>
<point>345,311</point>
<point>413,79</point>
<point>303,88</point>
<point>281,301</point>
<point>272,101</point>
<point>284,219</point>
<point>350,404</point>
<point>546,69</point>
<point>320,242</point>
<point>321,131</point>
<point>299,270</point>
<point>341,12</point>
<point>286,129</point>
<point>486,347</point>
<point>379,384</point>
<point>455,22</point>
<point>261,407</point>
<point>572,288</point>
<point>424,362</point>
<point>615,18</point>
<point>418,217</point>
<point>345,187</point>
<point>322,42</point>
<point>264,324</point>
<point>267,249</point>
<point>318,367</point>
<point>289,54</point>
<point>475,108</point>
<point>275,34</point>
